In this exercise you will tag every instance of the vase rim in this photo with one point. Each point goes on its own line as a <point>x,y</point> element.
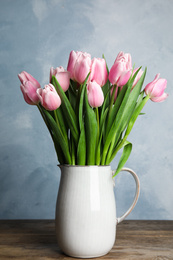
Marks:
<point>82,166</point>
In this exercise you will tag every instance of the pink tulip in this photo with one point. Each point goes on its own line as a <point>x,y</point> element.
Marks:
<point>120,72</point>
<point>125,60</point>
<point>99,71</point>
<point>124,77</point>
<point>79,65</point>
<point>71,62</point>
<point>49,97</point>
<point>155,89</point>
<point>62,76</point>
<point>25,76</point>
<point>95,94</point>
<point>29,86</point>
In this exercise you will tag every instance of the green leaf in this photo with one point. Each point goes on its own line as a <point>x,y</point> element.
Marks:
<point>58,136</point>
<point>91,132</point>
<point>62,123</point>
<point>124,114</point>
<point>72,94</point>
<point>81,102</point>
<point>68,111</point>
<point>81,150</point>
<point>102,129</point>
<point>58,150</point>
<point>114,110</point>
<point>136,113</point>
<point>72,148</point>
<point>105,104</point>
<point>124,157</point>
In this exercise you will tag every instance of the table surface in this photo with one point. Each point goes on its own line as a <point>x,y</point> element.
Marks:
<point>136,239</point>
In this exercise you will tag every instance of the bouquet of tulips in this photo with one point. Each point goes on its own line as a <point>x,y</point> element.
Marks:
<point>89,110</point>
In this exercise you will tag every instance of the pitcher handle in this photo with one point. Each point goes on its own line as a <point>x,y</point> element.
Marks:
<point>120,219</point>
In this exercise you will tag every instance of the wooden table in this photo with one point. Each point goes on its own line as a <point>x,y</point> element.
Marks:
<point>35,239</point>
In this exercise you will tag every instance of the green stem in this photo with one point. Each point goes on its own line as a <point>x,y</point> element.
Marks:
<point>56,118</point>
<point>105,149</point>
<point>72,151</point>
<point>98,134</point>
<point>103,160</point>
<point>110,149</point>
<point>42,114</point>
<point>97,117</point>
<point>112,101</point>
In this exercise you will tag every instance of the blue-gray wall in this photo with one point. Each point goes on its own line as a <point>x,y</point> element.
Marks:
<point>38,34</point>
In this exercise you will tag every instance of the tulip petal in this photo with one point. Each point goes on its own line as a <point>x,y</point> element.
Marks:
<point>158,88</point>
<point>26,98</point>
<point>99,71</point>
<point>95,94</point>
<point>81,70</point>
<point>71,62</point>
<point>39,94</point>
<point>62,76</point>
<point>63,79</point>
<point>25,76</point>
<point>125,75</point>
<point>161,98</point>
<point>51,101</point>
<point>31,91</point>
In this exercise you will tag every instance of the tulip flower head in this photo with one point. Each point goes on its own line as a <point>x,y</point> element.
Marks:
<point>121,70</point>
<point>155,89</point>
<point>99,71</point>
<point>79,66</point>
<point>49,97</point>
<point>95,94</point>
<point>62,76</point>
<point>25,76</point>
<point>29,86</point>
<point>125,60</point>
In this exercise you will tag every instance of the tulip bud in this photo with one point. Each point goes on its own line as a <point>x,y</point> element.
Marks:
<point>155,89</point>
<point>95,94</point>
<point>79,65</point>
<point>29,87</point>
<point>71,63</point>
<point>62,76</point>
<point>125,60</point>
<point>25,76</point>
<point>99,71</point>
<point>49,97</point>
<point>119,73</point>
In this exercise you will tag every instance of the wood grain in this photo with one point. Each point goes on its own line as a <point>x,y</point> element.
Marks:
<point>35,239</point>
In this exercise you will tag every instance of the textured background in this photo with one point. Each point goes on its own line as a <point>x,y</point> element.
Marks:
<point>38,34</point>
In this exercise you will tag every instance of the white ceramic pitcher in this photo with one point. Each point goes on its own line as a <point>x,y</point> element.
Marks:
<point>86,210</point>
